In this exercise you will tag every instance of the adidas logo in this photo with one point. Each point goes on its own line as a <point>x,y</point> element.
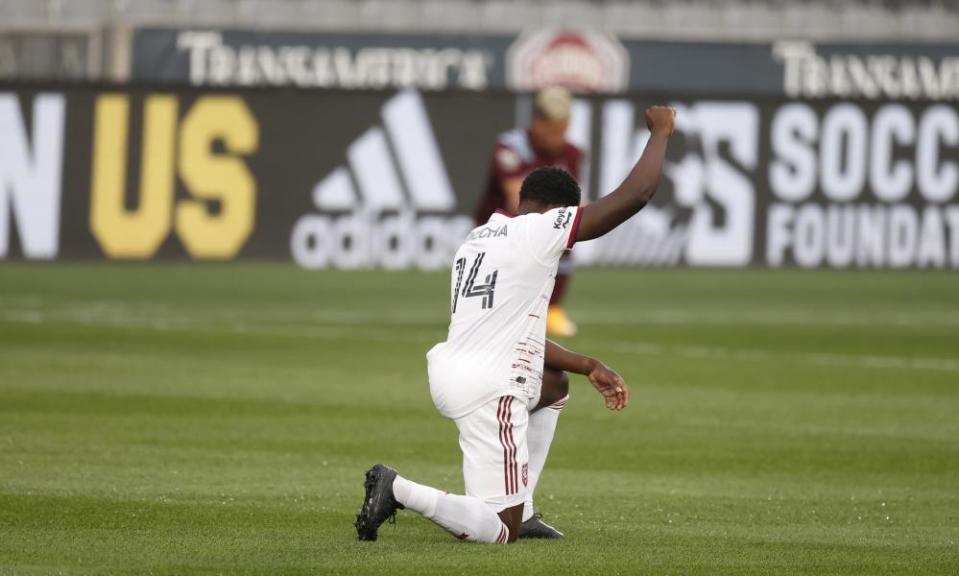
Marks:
<point>391,205</point>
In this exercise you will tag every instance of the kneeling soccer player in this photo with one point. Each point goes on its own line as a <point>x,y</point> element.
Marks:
<point>496,375</point>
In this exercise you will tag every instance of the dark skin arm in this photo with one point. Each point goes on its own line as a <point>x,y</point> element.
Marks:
<point>639,186</point>
<point>558,361</point>
<point>606,381</point>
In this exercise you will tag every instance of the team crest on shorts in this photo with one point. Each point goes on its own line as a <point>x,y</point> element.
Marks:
<point>525,474</point>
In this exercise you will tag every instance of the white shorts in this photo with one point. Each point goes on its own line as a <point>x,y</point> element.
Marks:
<point>495,454</point>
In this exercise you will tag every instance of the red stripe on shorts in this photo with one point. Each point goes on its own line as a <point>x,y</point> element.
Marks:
<point>514,479</point>
<point>500,415</point>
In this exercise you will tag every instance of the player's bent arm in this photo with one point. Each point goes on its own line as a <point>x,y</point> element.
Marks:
<point>559,358</point>
<point>639,186</point>
<point>606,381</point>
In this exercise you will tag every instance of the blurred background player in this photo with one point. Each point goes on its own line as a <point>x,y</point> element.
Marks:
<point>517,153</point>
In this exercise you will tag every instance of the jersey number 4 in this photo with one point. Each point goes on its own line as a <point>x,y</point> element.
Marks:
<point>471,289</point>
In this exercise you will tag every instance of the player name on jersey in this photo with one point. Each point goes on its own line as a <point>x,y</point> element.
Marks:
<point>487,232</point>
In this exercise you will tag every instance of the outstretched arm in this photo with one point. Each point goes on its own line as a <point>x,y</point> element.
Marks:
<point>636,190</point>
<point>606,381</point>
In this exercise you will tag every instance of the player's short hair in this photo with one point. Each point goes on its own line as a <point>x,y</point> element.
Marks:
<point>551,186</point>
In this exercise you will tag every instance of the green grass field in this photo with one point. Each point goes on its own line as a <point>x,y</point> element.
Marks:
<point>187,419</point>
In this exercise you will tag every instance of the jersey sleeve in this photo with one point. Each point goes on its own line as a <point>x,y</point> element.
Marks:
<point>552,233</point>
<point>507,162</point>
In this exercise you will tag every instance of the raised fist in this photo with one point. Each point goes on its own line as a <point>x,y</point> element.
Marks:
<point>661,119</point>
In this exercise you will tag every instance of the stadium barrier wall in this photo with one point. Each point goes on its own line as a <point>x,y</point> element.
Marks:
<point>593,61</point>
<point>360,179</point>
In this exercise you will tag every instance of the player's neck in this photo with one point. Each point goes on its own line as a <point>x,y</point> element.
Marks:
<point>532,207</point>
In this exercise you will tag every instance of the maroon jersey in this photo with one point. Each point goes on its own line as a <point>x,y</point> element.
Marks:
<point>515,156</point>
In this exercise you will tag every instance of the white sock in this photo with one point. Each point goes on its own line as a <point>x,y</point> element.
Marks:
<point>465,517</point>
<point>539,435</point>
<point>416,497</point>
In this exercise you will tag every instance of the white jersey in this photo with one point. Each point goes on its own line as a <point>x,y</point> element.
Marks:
<point>503,276</point>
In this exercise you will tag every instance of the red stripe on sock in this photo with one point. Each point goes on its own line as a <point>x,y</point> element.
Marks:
<point>559,404</point>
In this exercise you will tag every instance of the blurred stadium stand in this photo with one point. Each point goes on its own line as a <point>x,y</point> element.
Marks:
<point>87,38</point>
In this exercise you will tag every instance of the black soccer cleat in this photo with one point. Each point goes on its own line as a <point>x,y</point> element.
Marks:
<point>378,503</point>
<point>536,528</point>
